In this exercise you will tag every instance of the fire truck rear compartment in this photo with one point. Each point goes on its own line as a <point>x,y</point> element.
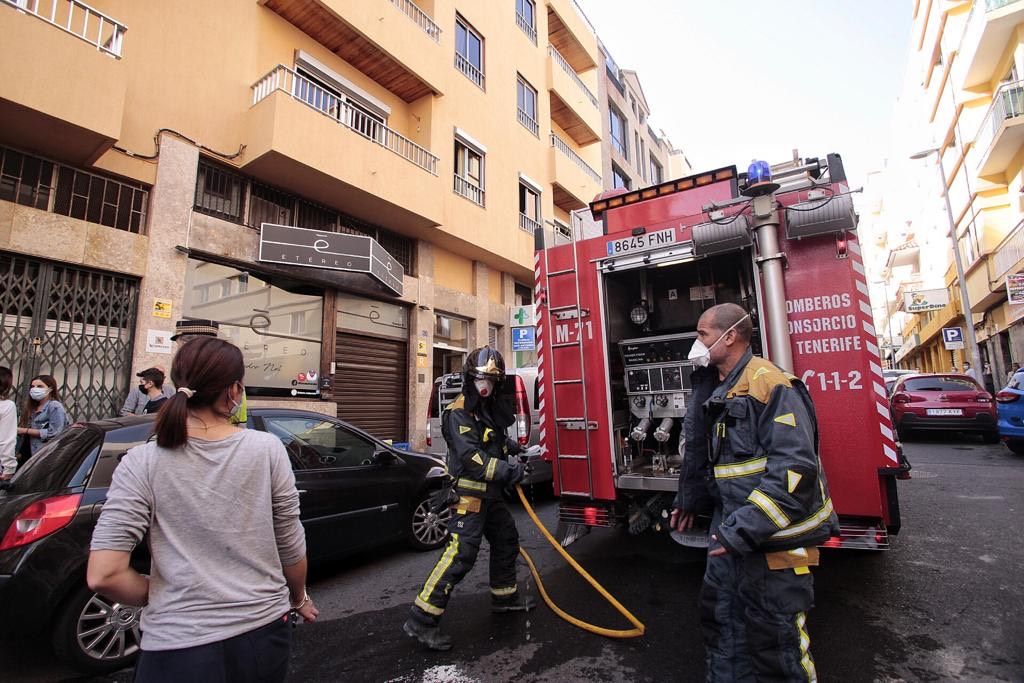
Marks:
<point>651,318</point>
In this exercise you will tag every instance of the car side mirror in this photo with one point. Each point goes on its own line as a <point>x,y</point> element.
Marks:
<point>384,457</point>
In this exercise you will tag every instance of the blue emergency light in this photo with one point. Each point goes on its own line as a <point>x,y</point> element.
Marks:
<point>758,172</point>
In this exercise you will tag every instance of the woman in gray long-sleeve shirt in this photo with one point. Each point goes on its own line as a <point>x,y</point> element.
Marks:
<point>222,513</point>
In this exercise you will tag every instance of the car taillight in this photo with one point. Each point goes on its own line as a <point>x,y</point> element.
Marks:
<point>900,397</point>
<point>40,519</point>
<point>430,440</point>
<point>984,397</point>
<point>523,425</point>
<point>1007,397</point>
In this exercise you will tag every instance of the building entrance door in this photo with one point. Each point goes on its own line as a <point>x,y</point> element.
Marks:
<point>75,324</point>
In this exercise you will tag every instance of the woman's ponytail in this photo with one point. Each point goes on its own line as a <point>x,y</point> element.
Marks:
<point>202,370</point>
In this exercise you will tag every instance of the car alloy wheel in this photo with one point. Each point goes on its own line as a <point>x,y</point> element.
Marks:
<point>108,630</point>
<point>429,529</point>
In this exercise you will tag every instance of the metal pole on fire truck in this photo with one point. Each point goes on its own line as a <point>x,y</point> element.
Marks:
<point>765,224</point>
<point>965,304</point>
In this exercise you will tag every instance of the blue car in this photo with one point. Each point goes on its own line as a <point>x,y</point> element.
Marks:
<point>1010,406</point>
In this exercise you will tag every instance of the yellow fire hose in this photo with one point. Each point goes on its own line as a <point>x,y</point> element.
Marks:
<point>607,632</point>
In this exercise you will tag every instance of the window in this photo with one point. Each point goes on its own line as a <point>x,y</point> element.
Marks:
<point>526,106</point>
<point>25,179</point>
<point>641,154</point>
<point>529,208</point>
<point>657,172</point>
<point>219,192</point>
<point>620,179</point>
<point>617,130</point>
<point>526,18</point>
<point>469,52</point>
<point>636,145</point>
<point>320,444</point>
<point>282,358</point>
<point>268,205</point>
<point>469,173</point>
<point>492,336</point>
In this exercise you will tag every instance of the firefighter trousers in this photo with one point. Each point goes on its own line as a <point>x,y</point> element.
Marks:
<point>492,521</point>
<point>754,620</point>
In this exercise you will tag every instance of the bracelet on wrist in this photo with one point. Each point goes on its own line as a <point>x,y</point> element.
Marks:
<point>305,600</point>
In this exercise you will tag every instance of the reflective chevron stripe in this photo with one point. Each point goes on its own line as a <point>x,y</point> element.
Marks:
<point>741,469</point>
<point>769,508</point>
<point>818,518</point>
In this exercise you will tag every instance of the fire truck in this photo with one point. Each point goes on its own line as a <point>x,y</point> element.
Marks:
<point>617,309</point>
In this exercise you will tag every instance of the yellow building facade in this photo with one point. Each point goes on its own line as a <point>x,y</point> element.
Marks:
<point>965,84</point>
<point>150,142</point>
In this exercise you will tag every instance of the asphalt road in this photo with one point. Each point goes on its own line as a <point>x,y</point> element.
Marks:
<point>945,603</point>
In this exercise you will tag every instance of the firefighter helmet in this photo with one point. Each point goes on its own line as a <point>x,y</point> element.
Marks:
<point>484,363</point>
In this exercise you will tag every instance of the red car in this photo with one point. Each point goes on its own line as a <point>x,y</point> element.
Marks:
<point>946,402</point>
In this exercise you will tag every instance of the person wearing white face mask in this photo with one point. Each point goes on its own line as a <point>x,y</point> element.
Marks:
<point>474,426</point>
<point>772,508</point>
<point>42,417</point>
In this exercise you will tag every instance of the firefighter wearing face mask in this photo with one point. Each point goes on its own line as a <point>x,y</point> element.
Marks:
<point>772,509</point>
<point>474,426</point>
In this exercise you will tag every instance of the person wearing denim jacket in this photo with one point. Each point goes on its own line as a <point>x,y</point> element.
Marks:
<point>43,416</point>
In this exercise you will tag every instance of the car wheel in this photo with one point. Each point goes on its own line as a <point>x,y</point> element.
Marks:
<point>990,437</point>
<point>428,530</point>
<point>1016,445</point>
<point>96,635</point>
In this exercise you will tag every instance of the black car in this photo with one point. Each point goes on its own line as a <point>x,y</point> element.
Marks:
<point>355,492</point>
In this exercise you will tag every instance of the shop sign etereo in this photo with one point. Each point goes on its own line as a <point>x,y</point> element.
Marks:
<point>330,251</point>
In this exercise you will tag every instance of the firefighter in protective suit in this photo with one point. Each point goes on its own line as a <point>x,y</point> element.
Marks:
<point>772,509</point>
<point>474,427</point>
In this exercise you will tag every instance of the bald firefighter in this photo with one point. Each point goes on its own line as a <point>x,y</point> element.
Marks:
<point>474,427</point>
<point>772,509</point>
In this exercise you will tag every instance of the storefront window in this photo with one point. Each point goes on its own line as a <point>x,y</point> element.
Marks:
<point>277,327</point>
<point>451,336</point>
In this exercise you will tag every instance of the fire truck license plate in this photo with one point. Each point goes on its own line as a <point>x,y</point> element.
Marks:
<point>650,240</point>
<point>944,411</point>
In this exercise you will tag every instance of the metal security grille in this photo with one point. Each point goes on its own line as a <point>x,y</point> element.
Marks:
<point>72,323</point>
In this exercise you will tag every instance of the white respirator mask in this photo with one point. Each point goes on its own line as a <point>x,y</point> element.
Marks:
<point>701,355</point>
<point>484,387</point>
<point>39,393</point>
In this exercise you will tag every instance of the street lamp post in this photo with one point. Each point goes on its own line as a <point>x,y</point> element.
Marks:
<point>965,304</point>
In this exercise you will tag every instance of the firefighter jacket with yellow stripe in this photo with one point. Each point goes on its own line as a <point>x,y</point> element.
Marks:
<point>763,439</point>
<point>478,451</point>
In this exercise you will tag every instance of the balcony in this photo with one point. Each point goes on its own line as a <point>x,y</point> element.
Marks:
<point>527,122</point>
<point>991,27</point>
<point>1001,134</point>
<point>572,34</point>
<point>73,51</point>
<point>575,182</point>
<point>526,27</point>
<point>393,42</point>
<point>471,191</point>
<point>307,140</point>
<point>528,224</point>
<point>573,105</point>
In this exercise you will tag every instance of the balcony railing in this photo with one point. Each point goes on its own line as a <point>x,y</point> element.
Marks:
<point>1010,252</point>
<point>472,73</point>
<point>993,5</point>
<point>528,224</point>
<point>421,18</point>
<point>1008,103</point>
<point>560,60</point>
<point>468,190</point>
<point>355,119</point>
<point>527,121</point>
<point>78,19</point>
<point>527,27</point>
<point>559,144</point>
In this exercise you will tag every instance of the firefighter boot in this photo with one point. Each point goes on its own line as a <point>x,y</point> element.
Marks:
<point>428,634</point>
<point>516,602</point>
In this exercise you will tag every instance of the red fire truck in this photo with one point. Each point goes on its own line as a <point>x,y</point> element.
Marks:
<point>617,310</point>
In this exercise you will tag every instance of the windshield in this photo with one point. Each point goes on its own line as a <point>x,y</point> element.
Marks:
<point>56,465</point>
<point>939,384</point>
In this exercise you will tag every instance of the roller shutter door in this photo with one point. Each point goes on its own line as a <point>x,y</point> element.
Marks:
<point>371,384</point>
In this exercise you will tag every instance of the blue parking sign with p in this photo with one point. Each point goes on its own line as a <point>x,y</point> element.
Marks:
<point>953,337</point>
<point>524,339</point>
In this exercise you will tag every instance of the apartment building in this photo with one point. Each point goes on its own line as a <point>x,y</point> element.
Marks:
<point>634,154</point>
<point>963,95</point>
<point>351,189</point>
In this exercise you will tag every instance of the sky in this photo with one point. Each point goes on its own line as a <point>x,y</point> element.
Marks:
<point>732,80</point>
